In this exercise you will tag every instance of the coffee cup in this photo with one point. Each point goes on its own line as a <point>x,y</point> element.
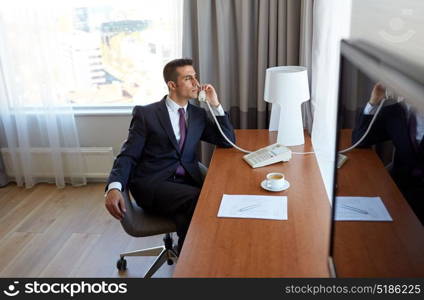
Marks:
<point>275,181</point>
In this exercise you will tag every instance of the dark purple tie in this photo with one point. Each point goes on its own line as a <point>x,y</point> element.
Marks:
<point>183,131</point>
<point>182,128</point>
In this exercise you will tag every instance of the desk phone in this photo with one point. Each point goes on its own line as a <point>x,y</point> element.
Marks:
<point>268,155</point>
<point>263,157</point>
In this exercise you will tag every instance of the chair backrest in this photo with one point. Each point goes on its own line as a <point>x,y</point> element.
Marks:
<point>203,170</point>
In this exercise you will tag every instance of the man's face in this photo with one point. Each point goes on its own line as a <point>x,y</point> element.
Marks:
<point>187,84</point>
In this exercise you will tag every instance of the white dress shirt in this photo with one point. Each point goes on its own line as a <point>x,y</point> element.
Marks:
<point>174,116</point>
<point>370,109</point>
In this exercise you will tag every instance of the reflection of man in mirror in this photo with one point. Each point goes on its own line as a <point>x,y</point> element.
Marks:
<point>405,128</point>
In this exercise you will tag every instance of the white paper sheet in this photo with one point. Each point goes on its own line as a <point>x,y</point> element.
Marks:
<point>361,209</point>
<point>253,206</point>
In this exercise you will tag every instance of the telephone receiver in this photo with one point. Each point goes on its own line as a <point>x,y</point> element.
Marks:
<point>202,96</point>
<point>263,157</point>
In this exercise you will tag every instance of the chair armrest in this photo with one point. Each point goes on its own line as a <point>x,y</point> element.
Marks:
<point>203,170</point>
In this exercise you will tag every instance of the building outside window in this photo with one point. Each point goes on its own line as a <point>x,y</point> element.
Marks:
<point>112,52</point>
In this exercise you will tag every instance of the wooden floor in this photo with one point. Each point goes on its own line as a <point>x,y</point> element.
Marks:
<point>50,232</point>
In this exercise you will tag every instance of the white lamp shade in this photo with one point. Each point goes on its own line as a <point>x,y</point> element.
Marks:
<point>286,88</point>
<point>286,84</point>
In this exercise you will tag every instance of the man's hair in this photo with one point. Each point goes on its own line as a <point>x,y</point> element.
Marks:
<point>170,70</point>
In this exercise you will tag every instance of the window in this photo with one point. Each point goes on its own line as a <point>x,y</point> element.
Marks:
<point>113,52</point>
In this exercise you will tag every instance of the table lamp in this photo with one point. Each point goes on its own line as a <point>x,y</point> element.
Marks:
<point>287,88</point>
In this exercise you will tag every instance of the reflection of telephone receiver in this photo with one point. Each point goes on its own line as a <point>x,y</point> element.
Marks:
<point>260,158</point>
<point>341,159</point>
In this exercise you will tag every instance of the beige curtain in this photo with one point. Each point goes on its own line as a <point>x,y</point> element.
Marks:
<point>233,42</point>
<point>305,55</point>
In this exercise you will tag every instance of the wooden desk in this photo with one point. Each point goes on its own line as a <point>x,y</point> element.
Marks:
<point>376,249</point>
<point>230,247</point>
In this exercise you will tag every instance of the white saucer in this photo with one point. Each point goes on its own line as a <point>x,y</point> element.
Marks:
<point>285,186</point>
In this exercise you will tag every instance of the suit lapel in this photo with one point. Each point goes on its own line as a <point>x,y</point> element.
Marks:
<point>164,120</point>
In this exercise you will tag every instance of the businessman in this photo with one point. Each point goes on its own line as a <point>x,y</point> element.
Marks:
<point>158,160</point>
<point>405,128</point>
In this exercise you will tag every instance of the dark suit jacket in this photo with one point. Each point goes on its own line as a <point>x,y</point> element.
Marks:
<point>391,124</point>
<point>151,155</point>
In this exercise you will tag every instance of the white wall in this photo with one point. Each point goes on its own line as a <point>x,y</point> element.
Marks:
<point>395,25</point>
<point>106,130</point>
<point>331,24</point>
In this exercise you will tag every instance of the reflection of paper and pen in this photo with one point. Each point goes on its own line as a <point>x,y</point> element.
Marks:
<point>253,206</point>
<point>361,209</point>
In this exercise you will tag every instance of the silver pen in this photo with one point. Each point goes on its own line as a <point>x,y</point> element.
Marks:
<point>361,211</point>
<point>249,207</point>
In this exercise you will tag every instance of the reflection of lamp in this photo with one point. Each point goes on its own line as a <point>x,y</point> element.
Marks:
<point>286,88</point>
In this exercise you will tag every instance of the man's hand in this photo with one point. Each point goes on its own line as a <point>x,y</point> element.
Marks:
<point>115,204</point>
<point>211,95</point>
<point>377,94</point>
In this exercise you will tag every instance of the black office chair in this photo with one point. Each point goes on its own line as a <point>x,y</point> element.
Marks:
<point>138,223</point>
